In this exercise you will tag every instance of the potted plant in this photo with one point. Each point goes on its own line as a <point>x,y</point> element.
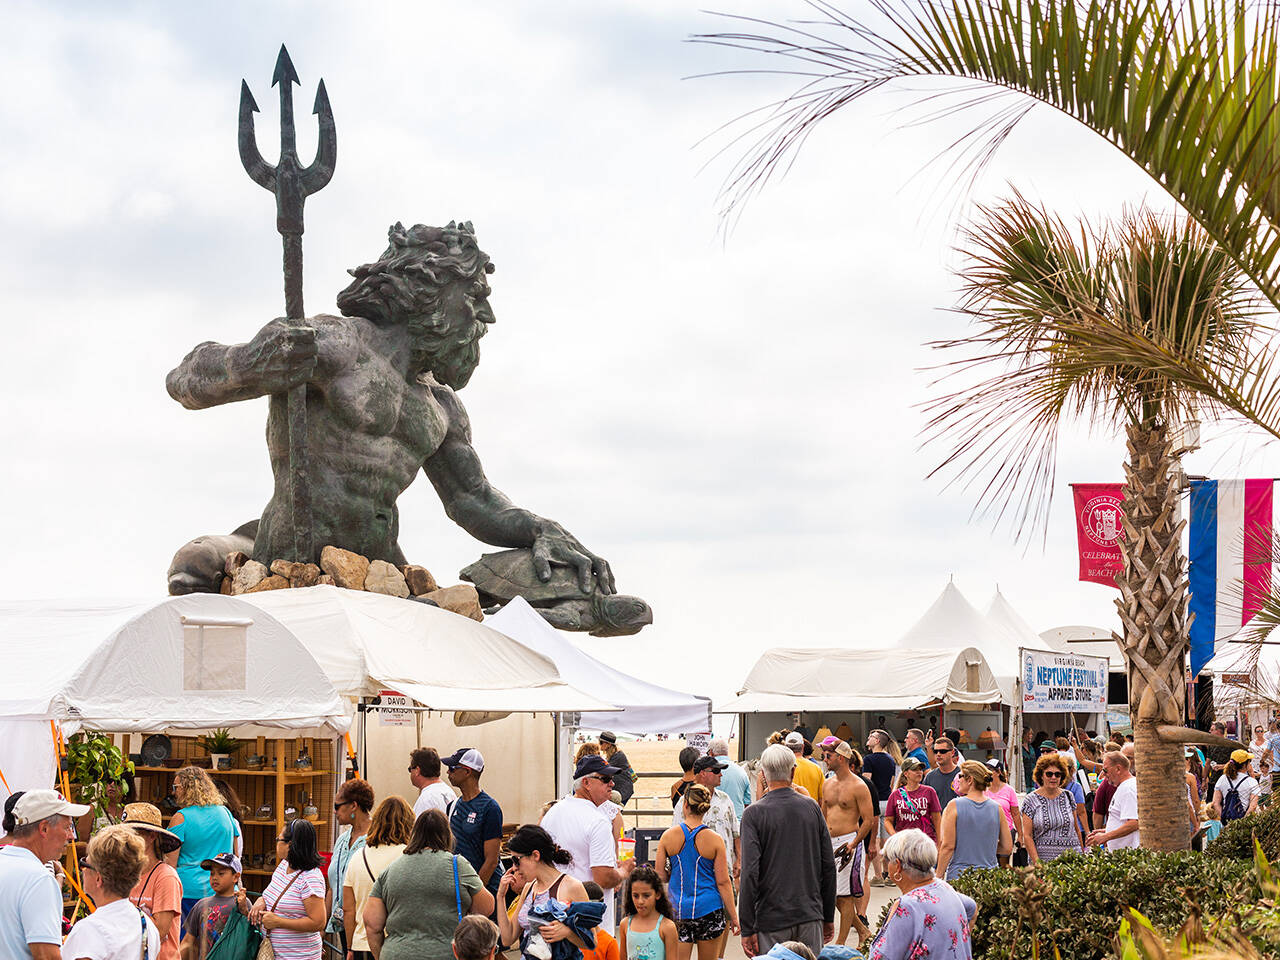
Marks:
<point>98,772</point>
<point>220,745</point>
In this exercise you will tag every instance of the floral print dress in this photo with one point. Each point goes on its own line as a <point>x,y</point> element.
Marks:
<point>930,921</point>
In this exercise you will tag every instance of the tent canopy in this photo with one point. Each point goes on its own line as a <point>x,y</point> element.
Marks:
<point>367,642</point>
<point>787,680</point>
<point>1007,624</point>
<point>643,707</point>
<point>1087,641</point>
<point>953,622</point>
<point>195,662</point>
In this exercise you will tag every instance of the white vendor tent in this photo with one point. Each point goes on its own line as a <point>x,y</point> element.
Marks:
<point>952,622</point>
<point>1087,641</point>
<point>790,680</point>
<point>1005,622</point>
<point>195,662</point>
<point>642,707</point>
<point>367,642</point>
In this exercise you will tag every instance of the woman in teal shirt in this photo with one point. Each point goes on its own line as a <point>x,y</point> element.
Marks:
<point>205,827</point>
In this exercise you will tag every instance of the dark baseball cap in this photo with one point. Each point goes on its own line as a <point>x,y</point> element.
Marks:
<point>228,860</point>
<point>709,763</point>
<point>593,765</point>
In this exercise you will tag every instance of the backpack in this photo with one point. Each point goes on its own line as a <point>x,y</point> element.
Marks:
<point>1232,805</point>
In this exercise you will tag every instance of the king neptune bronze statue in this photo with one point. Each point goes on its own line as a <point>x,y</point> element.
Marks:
<point>381,384</point>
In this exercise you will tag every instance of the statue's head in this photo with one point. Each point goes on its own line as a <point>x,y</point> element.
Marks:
<point>431,279</point>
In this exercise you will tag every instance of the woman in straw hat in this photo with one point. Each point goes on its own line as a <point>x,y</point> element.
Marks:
<point>158,892</point>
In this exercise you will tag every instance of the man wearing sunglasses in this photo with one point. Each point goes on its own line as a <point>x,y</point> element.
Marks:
<point>945,756</point>
<point>577,824</point>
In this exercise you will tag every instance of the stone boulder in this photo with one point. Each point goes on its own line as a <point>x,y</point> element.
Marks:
<point>383,577</point>
<point>460,598</point>
<point>273,582</point>
<point>324,580</point>
<point>298,574</point>
<point>248,576</point>
<point>420,580</point>
<point>347,569</point>
<point>235,560</point>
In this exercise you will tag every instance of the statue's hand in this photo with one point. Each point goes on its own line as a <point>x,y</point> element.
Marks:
<point>555,544</point>
<point>282,355</point>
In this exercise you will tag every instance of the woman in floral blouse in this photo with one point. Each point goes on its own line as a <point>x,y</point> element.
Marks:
<point>930,919</point>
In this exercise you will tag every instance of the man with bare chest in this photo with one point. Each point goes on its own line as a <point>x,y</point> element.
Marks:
<point>381,405</point>
<point>846,804</point>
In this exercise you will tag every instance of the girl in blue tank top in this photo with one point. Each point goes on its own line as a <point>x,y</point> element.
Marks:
<point>693,860</point>
<point>647,931</point>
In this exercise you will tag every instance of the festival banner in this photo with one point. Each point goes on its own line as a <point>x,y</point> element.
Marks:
<point>1099,530</point>
<point>1063,682</point>
<point>1230,543</point>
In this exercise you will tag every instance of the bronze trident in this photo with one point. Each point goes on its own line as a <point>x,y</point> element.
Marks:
<point>292,184</point>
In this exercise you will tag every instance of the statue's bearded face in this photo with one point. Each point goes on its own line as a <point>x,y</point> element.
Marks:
<point>448,341</point>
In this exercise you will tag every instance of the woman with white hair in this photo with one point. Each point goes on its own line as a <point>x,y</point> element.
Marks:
<point>930,919</point>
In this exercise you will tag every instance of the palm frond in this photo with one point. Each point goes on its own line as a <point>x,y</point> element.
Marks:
<point>1188,91</point>
<point>1145,321</point>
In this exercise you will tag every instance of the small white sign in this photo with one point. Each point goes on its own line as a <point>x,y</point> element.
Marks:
<point>701,741</point>
<point>389,716</point>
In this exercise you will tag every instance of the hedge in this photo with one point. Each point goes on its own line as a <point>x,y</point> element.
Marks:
<point>1235,842</point>
<point>1077,901</point>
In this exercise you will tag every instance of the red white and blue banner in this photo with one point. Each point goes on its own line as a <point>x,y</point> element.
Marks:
<point>1230,541</point>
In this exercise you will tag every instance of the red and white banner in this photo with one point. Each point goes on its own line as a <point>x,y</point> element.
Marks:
<point>1099,530</point>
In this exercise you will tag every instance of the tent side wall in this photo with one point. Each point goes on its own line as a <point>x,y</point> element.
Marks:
<point>519,754</point>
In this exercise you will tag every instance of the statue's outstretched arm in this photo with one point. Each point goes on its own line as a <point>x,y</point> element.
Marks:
<point>281,356</point>
<point>486,513</point>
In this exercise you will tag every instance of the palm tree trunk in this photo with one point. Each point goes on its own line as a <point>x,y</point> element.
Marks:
<point>1153,610</point>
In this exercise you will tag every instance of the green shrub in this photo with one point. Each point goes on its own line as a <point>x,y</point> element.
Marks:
<point>1076,902</point>
<point>1235,842</point>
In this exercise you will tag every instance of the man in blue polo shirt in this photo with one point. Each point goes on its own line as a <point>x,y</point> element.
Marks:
<point>39,824</point>
<point>476,820</point>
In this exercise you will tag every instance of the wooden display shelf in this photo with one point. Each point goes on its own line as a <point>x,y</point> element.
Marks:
<point>278,783</point>
<point>264,772</point>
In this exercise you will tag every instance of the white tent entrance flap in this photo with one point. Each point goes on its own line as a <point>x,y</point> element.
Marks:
<point>788,680</point>
<point>196,662</point>
<point>642,707</point>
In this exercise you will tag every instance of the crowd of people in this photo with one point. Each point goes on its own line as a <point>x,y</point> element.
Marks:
<point>782,852</point>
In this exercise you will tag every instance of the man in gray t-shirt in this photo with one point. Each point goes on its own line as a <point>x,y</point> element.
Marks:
<point>940,777</point>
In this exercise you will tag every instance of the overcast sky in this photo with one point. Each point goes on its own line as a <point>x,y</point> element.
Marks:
<point>732,422</point>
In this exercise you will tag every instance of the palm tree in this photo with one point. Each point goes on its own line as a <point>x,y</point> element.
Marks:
<point>1188,90</point>
<point>1140,326</point>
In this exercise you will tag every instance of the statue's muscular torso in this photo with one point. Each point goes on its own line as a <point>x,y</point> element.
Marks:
<point>369,431</point>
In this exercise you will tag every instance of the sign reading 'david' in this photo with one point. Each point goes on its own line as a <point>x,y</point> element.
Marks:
<point>389,716</point>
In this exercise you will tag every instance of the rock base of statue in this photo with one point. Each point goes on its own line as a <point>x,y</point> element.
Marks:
<point>342,568</point>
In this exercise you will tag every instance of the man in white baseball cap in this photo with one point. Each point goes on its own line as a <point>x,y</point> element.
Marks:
<point>39,825</point>
<point>808,774</point>
<point>476,819</point>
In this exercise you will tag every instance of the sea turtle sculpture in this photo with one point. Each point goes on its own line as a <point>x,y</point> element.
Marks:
<point>500,577</point>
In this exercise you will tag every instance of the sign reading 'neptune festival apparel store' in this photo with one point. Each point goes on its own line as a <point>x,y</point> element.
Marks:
<point>1063,682</point>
